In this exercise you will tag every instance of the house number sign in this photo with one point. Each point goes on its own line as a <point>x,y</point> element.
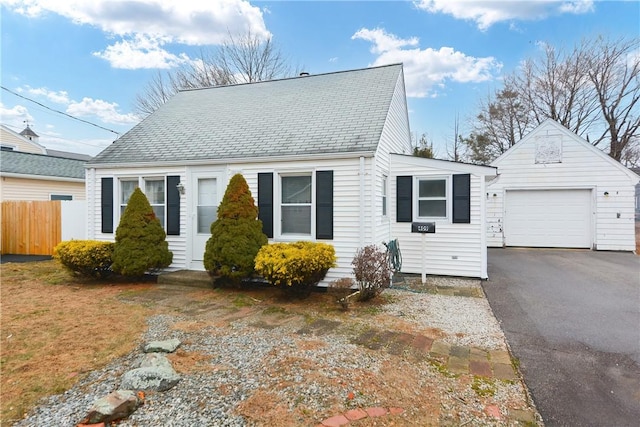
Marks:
<point>423,227</point>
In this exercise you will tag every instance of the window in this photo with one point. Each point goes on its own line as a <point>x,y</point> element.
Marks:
<point>384,195</point>
<point>6,148</point>
<point>432,198</point>
<point>207,208</point>
<point>154,190</point>
<point>295,205</point>
<point>126,190</point>
<point>60,197</point>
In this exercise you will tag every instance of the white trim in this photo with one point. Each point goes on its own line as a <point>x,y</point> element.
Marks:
<point>234,160</point>
<point>445,165</point>
<point>277,208</point>
<point>40,177</point>
<point>361,201</point>
<point>448,183</point>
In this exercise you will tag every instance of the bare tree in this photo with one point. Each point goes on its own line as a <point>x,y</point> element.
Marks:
<point>614,71</point>
<point>455,149</point>
<point>239,59</point>
<point>592,90</point>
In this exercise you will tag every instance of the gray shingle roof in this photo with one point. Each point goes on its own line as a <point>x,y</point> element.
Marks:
<point>324,113</point>
<point>41,165</point>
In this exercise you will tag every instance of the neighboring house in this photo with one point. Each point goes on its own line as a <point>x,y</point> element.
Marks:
<point>637,172</point>
<point>326,159</point>
<point>554,189</point>
<point>28,176</point>
<point>14,141</point>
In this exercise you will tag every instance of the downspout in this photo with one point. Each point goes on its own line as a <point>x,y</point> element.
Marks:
<point>362,198</point>
<point>483,228</point>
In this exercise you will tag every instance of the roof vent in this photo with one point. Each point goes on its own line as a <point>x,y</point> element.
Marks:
<point>304,74</point>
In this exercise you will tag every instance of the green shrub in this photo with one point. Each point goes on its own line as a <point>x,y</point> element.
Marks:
<point>140,239</point>
<point>89,258</point>
<point>372,272</point>
<point>297,267</point>
<point>236,235</point>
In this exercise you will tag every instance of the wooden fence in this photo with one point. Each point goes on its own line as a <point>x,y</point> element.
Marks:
<point>30,227</point>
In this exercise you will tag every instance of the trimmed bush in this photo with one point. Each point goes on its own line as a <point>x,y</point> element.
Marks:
<point>89,258</point>
<point>140,240</point>
<point>236,235</point>
<point>296,267</point>
<point>372,272</point>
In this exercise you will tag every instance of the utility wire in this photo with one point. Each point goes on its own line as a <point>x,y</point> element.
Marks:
<point>59,112</point>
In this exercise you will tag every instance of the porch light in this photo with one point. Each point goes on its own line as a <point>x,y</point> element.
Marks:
<point>181,188</point>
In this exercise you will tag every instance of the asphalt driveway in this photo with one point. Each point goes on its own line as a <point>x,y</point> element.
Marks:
<point>572,318</point>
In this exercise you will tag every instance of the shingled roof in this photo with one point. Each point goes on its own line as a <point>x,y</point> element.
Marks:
<point>16,162</point>
<point>308,115</point>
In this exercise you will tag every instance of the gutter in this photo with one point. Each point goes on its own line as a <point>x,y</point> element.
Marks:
<point>234,160</point>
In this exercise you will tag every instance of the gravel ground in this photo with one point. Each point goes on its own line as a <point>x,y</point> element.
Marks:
<point>243,375</point>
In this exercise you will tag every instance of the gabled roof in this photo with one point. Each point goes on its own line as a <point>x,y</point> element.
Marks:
<point>28,132</point>
<point>19,163</point>
<point>578,140</point>
<point>10,137</point>
<point>326,113</point>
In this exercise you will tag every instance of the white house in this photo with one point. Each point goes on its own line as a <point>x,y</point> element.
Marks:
<point>554,189</point>
<point>326,158</point>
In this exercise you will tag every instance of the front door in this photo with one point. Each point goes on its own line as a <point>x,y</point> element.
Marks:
<point>206,198</point>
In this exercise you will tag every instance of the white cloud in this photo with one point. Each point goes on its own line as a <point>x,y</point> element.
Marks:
<point>383,41</point>
<point>140,52</point>
<point>485,13</point>
<point>59,97</point>
<point>105,111</point>
<point>427,70</point>
<point>15,116</point>
<point>145,26</point>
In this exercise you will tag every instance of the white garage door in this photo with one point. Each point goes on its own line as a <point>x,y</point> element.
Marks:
<point>548,218</point>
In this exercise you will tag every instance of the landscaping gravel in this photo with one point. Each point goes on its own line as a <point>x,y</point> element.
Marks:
<point>242,363</point>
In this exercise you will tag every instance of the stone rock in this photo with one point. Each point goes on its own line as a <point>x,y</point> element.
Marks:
<point>116,405</point>
<point>167,346</point>
<point>155,360</point>
<point>158,378</point>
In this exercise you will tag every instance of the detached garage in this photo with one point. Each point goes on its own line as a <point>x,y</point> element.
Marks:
<point>556,190</point>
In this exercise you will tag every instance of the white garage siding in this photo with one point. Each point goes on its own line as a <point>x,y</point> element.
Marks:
<point>581,166</point>
<point>548,218</point>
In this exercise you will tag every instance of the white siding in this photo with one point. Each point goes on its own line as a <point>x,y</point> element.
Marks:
<point>581,167</point>
<point>347,207</point>
<point>39,189</point>
<point>177,244</point>
<point>395,138</point>
<point>454,249</point>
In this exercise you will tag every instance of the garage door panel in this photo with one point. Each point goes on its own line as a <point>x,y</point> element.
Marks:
<point>548,218</point>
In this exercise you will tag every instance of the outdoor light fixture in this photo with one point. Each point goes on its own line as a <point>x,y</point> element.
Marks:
<point>181,188</point>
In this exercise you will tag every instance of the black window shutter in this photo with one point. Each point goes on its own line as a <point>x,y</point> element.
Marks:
<point>173,206</point>
<point>106,205</point>
<point>404,198</point>
<point>265,202</point>
<point>324,205</point>
<point>462,199</point>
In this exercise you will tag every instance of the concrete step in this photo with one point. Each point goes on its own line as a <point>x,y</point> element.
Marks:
<point>196,279</point>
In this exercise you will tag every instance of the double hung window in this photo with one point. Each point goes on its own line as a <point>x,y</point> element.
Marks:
<point>432,198</point>
<point>296,202</point>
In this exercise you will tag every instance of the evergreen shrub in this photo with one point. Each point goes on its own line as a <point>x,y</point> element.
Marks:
<point>297,266</point>
<point>140,240</point>
<point>89,258</point>
<point>236,235</point>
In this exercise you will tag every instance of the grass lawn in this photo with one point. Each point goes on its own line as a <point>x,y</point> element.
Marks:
<point>54,328</point>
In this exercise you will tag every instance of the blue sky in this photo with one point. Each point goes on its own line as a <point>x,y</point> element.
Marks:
<point>90,58</point>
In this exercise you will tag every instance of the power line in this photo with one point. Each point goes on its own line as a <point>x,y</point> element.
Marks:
<point>59,112</point>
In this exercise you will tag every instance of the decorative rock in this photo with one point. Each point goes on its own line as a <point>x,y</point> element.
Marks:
<point>158,378</point>
<point>116,405</point>
<point>167,346</point>
<point>155,360</point>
